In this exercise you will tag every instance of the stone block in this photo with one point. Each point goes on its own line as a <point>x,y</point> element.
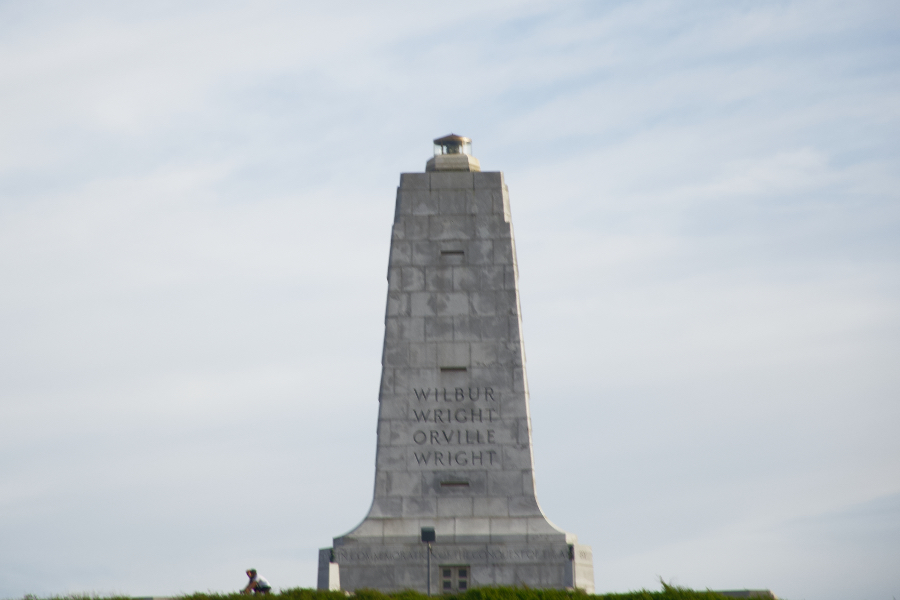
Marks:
<point>422,304</point>
<point>484,354</point>
<point>387,382</point>
<point>422,355</point>
<point>495,377</point>
<point>489,180</point>
<point>466,328</point>
<point>419,202</point>
<point>405,200</point>
<point>507,302</point>
<point>491,507</point>
<point>406,380</point>
<point>501,204</point>
<point>509,529</point>
<point>455,227</point>
<point>523,431</point>
<point>524,506</point>
<point>466,278</point>
<point>397,305</point>
<point>416,181</point>
<point>415,228</point>
<point>510,277</point>
<point>494,575</point>
<point>394,279</point>
<point>517,457</point>
<point>367,529</point>
<point>451,180</point>
<point>381,483</point>
<point>539,525</point>
<point>503,253</point>
<point>483,303</point>
<point>404,483</point>
<point>492,227</point>
<point>493,277</point>
<point>439,329</point>
<point>410,329</point>
<point>390,458</point>
<point>511,405</point>
<point>439,279</point>
<point>412,279</point>
<point>424,254</point>
<point>479,252</point>
<point>409,578</point>
<point>453,354</point>
<point>393,409</point>
<point>419,507</point>
<point>472,529</point>
<point>488,227</point>
<point>541,576</point>
<point>528,483</point>
<point>507,483</point>
<point>494,328</point>
<point>451,303</point>
<point>386,507</point>
<point>401,253</point>
<point>401,531</point>
<point>384,432</point>
<point>515,329</point>
<point>454,507</point>
<point>405,432</point>
<point>444,528</point>
<point>481,202</point>
<point>396,354</point>
<point>509,354</point>
<point>453,202</point>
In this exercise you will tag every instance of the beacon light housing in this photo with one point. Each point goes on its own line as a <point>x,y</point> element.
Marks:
<point>452,153</point>
<point>452,144</point>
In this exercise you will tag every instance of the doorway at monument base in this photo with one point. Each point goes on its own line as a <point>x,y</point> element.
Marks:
<point>456,567</point>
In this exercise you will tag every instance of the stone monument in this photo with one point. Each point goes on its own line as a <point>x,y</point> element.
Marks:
<point>454,461</point>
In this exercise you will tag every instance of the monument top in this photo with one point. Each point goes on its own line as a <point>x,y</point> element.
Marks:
<point>452,144</point>
<point>453,153</point>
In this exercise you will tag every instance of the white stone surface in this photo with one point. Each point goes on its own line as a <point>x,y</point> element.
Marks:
<point>454,430</point>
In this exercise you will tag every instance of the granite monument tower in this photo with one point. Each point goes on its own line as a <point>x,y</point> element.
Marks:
<point>454,460</point>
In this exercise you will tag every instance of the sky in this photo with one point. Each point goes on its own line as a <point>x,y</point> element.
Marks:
<point>195,209</point>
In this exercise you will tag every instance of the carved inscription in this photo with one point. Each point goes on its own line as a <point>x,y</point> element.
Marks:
<point>474,554</point>
<point>462,459</point>
<point>485,413</point>
<point>455,394</point>
<point>459,415</point>
<point>457,436</point>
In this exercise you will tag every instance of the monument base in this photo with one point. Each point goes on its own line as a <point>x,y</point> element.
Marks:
<point>456,567</point>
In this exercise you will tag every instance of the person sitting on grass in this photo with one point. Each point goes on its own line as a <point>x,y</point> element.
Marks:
<point>258,584</point>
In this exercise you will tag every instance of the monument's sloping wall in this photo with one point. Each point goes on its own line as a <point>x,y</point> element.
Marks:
<point>454,430</point>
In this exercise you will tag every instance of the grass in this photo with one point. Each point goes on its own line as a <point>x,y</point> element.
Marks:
<point>668,592</point>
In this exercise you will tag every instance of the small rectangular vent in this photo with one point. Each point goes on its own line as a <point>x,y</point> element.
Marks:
<point>453,252</point>
<point>455,484</point>
<point>454,369</point>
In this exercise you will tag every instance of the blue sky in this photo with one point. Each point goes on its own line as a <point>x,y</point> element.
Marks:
<point>195,210</point>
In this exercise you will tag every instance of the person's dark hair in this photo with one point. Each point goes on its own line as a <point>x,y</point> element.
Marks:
<point>253,571</point>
